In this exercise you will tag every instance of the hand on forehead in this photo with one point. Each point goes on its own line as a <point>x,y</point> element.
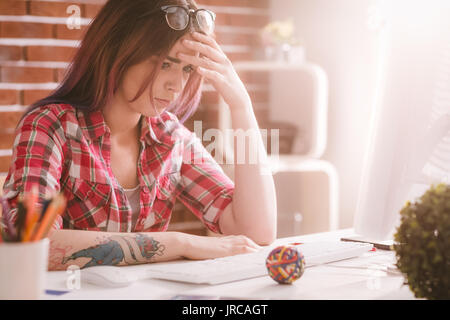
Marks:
<point>179,47</point>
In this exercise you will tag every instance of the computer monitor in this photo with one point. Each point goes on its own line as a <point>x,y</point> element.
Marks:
<point>409,144</point>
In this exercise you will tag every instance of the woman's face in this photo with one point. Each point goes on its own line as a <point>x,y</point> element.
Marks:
<point>168,85</point>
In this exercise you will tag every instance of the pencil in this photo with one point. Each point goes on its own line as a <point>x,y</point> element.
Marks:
<point>55,208</point>
<point>38,218</point>
<point>30,220</point>
<point>20,219</point>
<point>1,230</point>
<point>31,227</point>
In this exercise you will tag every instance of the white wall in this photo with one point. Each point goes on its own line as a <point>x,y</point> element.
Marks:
<point>336,36</point>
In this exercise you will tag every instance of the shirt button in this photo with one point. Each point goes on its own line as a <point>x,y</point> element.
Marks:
<point>145,190</point>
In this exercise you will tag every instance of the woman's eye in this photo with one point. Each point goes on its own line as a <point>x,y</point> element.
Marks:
<point>188,69</point>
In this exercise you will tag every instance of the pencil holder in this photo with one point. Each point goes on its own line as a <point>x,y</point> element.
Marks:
<point>23,268</point>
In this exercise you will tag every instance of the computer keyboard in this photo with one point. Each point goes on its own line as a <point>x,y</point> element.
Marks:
<point>251,265</point>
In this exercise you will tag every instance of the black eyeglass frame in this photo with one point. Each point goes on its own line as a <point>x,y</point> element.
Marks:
<point>190,12</point>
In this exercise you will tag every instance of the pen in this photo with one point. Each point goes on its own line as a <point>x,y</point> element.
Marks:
<point>45,205</point>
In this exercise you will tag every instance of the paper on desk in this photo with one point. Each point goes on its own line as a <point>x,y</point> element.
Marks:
<point>311,285</point>
<point>379,260</point>
<point>367,289</point>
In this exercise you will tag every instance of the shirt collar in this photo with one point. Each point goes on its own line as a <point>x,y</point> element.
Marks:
<point>159,130</point>
<point>92,124</point>
<point>153,129</point>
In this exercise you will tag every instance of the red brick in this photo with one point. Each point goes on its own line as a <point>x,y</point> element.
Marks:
<point>6,140</point>
<point>4,162</point>
<point>208,116</point>
<point>10,53</point>
<point>59,9</point>
<point>254,77</point>
<point>259,96</point>
<point>80,1</point>
<point>91,10</point>
<point>242,20</point>
<point>235,38</point>
<point>31,96</point>
<point>239,56</point>
<point>236,3</point>
<point>40,53</point>
<point>222,19</point>
<point>63,32</point>
<point>10,119</point>
<point>50,9</point>
<point>26,74</point>
<point>60,74</point>
<point>262,115</point>
<point>11,29</point>
<point>13,7</point>
<point>210,97</point>
<point>254,21</point>
<point>8,97</point>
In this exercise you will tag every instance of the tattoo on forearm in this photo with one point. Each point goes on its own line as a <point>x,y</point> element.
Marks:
<point>131,250</point>
<point>56,253</point>
<point>133,256</point>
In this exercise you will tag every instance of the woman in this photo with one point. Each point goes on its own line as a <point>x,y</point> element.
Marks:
<point>109,138</point>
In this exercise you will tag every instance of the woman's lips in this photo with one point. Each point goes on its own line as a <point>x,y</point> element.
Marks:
<point>165,103</point>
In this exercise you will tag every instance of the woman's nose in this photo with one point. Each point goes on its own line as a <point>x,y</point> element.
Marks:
<point>175,83</point>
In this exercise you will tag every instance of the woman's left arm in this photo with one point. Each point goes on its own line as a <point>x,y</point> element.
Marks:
<point>254,210</point>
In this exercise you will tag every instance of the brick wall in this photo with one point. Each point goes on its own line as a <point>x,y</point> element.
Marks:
<point>36,46</point>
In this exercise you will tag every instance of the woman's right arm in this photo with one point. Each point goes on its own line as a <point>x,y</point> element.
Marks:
<point>37,159</point>
<point>38,156</point>
<point>92,248</point>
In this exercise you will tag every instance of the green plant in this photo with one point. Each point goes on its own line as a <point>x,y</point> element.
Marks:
<point>423,243</point>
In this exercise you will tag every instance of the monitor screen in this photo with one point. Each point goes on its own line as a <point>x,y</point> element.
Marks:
<point>409,144</point>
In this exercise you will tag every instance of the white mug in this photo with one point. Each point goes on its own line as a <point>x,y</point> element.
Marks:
<point>23,268</point>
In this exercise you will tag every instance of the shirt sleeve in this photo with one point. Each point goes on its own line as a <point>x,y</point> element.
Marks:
<point>205,189</point>
<point>36,160</point>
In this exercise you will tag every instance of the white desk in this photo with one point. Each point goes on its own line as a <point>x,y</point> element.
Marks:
<point>357,278</point>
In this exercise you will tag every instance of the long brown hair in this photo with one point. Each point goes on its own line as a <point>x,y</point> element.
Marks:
<point>123,33</point>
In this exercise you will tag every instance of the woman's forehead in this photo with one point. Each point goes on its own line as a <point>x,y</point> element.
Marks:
<point>179,47</point>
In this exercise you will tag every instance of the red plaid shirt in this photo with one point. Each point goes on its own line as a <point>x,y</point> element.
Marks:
<point>62,149</point>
